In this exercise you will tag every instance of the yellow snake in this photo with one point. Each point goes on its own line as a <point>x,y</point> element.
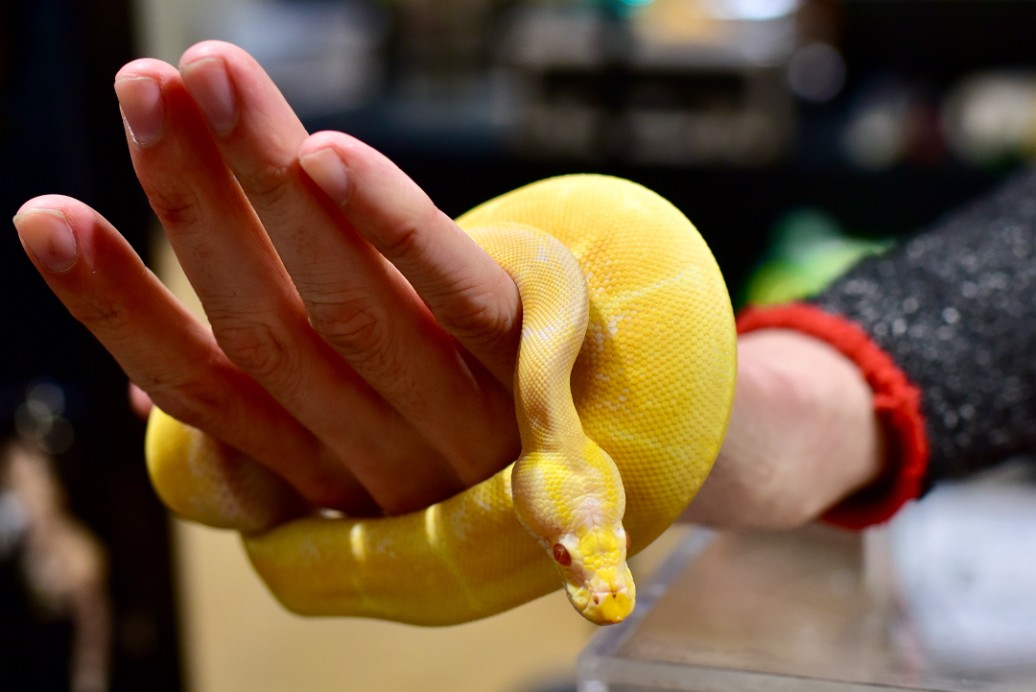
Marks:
<point>607,271</point>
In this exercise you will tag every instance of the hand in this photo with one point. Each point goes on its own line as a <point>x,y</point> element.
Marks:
<point>361,346</point>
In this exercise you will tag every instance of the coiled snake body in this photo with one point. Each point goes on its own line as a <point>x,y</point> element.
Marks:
<point>612,277</point>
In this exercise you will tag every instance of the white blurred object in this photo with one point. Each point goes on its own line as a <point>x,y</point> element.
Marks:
<point>753,9</point>
<point>993,116</point>
<point>881,126</point>
<point>963,563</point>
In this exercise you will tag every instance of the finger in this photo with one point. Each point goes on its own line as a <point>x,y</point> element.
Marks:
<point>256,315</point>
<point>356,301</point>
<point>105,285</point>
<point>469,294</point>
<point>140,402</point>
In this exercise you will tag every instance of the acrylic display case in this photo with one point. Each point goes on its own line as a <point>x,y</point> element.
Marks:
<point>943,598</point>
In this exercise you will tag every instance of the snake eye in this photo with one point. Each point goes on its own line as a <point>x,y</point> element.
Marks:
<point>627,541</point>
<point>561,555</point>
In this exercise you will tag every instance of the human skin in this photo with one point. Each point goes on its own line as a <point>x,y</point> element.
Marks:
<point>358,342</point>
<point>802,436</point>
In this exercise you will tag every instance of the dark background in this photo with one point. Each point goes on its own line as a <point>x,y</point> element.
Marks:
<point>60,132</point>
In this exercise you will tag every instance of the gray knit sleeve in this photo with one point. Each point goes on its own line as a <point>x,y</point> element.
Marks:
<point>955,307</point>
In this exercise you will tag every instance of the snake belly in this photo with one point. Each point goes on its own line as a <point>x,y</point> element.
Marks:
<point>653,385</point>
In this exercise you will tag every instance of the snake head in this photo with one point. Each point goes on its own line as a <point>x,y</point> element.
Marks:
<point>577,518</point>
<point>597,580</point>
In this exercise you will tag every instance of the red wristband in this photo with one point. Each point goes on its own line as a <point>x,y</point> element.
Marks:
<point>897,403</point>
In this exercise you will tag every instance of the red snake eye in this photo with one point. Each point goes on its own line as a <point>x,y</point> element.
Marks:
<point>561,555</point>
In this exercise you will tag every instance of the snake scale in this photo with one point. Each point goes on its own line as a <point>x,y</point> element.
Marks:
<point>619,290</point>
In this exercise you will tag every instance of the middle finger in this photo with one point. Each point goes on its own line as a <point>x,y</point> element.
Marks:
<point>358,301</point>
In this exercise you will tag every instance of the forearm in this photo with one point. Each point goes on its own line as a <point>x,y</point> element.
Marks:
<point>954,308</point>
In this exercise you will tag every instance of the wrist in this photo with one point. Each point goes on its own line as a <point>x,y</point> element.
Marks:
<point>803,435</point>
<point>895,401</point>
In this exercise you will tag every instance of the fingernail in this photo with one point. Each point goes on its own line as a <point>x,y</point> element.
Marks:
<point>47,236</point>
<point>209,84</point>
<point>140,99</point>
<point>328,171</point>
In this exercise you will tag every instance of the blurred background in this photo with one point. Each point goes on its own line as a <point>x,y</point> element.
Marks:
<point>796,134</point>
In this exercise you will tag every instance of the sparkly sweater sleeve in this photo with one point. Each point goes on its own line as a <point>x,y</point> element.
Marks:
<point>955,308</point>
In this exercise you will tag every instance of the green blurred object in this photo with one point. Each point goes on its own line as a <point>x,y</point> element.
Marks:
<point>808,251</point>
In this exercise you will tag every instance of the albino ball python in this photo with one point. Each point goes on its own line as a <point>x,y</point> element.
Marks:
<point>607,271</point>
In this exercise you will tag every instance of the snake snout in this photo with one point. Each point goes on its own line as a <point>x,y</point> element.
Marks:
<point>606,598</point>
<point>609,608</point>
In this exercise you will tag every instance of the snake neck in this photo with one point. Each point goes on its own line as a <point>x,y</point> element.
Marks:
<point>555,312</point>
<point>547,418</point>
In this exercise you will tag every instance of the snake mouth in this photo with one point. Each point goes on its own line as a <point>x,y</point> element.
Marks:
<point>609,608</point>
<point>603,604</point>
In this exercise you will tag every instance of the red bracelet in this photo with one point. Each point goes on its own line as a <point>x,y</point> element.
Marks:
<point>897,403</point>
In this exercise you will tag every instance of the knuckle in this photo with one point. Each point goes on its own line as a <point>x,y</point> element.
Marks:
<point>403,240</point>
<point>193,403</point>
<point>475,318</point>
<point>174,207</point>
<point>354,327</point>
<point>406,237</point>
<point>267,185</point>
<point>257,348</point>
<point>199,402</point>
<point>479,321</point>
<point>109,316</point>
